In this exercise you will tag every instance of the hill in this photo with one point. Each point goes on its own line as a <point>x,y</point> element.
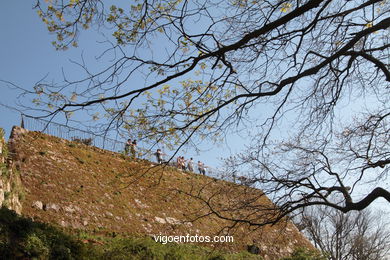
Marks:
<point>84,188</point>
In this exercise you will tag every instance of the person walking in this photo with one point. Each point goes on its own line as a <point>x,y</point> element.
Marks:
<point>178,162</point>
<point>183,163</point>
<point>190,165</point>
<point>200,167</point>
<point>133,149</point>
<point>159,156</point>
<point>127,147</point>
<point>204,169</point>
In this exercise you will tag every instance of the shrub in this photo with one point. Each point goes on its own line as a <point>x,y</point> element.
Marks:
<point>61,252</point>
<point>21,196</point>
<point>23,238</point>
<point>86,141</point>
<point>4,170</point>
<point>304,254</point>
<point>34,247</point>
<point>7,194</point>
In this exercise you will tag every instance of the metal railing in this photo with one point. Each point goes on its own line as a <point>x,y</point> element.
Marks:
<point>70,133</point>
<point>99,141</point>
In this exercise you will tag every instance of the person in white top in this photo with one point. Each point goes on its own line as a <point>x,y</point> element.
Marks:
<point>201,168</point>
<point>159,156</point>
<point>190,165</point>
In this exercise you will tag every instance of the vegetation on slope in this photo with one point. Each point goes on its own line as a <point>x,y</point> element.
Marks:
<point>23,238</point>
<point>101,192</point>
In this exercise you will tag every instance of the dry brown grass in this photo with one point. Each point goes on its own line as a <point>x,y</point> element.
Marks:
<point>104,192</point>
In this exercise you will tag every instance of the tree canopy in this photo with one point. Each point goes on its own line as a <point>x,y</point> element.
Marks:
<point>308,78</point>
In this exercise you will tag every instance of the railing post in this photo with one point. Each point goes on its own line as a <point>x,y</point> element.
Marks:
<point>22,121</point>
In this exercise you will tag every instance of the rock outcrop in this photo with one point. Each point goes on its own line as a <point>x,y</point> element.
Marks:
<point>11,189</point>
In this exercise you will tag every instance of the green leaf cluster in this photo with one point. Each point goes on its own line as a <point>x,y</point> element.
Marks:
<point>58,17</point>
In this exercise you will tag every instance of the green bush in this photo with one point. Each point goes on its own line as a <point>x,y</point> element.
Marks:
<point>146,248</point>
<point>23,238</point>
<point>34,247</point>
<point>4,170</point>
<point>127,248</point>
<point>7,195</point>
<point>5,250</point>
<point>61,252</point>
<point>304,254</point>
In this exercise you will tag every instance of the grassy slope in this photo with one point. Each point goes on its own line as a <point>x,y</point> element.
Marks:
<point>103,192</point>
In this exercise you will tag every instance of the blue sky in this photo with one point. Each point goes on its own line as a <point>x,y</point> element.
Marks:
<point>20,53</point>
<point>27,56</point>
